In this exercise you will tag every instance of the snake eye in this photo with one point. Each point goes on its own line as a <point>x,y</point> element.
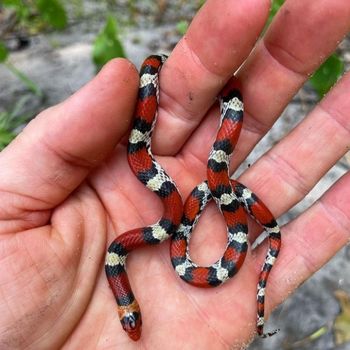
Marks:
<point>132,322</point>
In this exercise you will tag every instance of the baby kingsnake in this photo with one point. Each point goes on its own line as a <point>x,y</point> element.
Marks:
<point>232,198</point>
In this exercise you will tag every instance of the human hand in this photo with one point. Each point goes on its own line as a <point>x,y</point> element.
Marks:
<point>67,190</point>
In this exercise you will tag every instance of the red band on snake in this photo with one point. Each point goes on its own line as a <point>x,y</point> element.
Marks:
<point>233,199</point>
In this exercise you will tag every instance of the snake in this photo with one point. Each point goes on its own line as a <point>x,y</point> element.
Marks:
<point>233,199</point>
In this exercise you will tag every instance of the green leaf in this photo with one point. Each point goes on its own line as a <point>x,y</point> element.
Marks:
<point>3,52</point>
<point>327,75</point>
<point>107,44</point>
<point>275,6</point>
<point>22,9</point>
<point>25,80</point>
<point>182,27</point>
<point>6,137</point>
<point>53,12</point>
<point>12,119</point>
<point>12,3</point>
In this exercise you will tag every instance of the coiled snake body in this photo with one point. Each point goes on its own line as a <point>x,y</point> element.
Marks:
<point>232,198</point>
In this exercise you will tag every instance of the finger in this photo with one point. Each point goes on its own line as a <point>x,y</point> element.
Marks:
<point>284,175</point>
<point>278,67</point>
<point>289,171</point>
<point>295,166</point>
<point>310,241</point>
<point>288,54</point>
<point>56,151</point>
<point>218,40</point>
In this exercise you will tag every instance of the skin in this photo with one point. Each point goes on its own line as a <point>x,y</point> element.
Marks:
<point>67,191</point>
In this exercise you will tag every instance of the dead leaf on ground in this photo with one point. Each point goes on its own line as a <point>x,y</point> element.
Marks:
<point>341,326</point>
<point>307,340</point>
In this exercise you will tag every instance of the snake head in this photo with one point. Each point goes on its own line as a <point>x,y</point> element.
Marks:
<point>131,323</point>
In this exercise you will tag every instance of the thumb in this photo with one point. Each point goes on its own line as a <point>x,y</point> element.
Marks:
<point>57,150</point>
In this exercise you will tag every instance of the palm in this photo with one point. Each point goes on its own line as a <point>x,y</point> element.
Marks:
<point>68,268</point>
<point>166,300</point>
<point>59,209</point>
